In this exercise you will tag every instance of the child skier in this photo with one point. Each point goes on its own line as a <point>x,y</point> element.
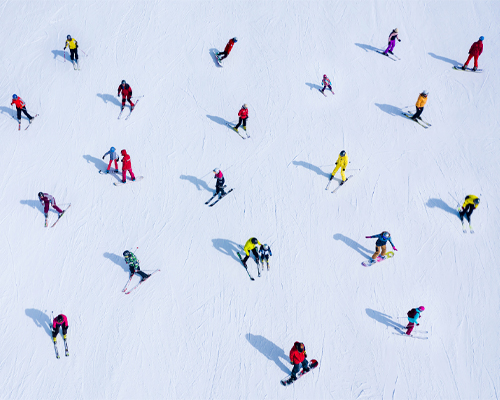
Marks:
<point>470,204</point>
<point>126,166</point>
<point>341,162</point>
<point>227,49</point>
<point>219,185</point>
<point>46,200</point>
<point>250,246</point>
<point>380,245</point>
<point>421,101</point>
<point>326,84</point>
<point>20,106</point>
<point>242,117</point>
<point>133,265</point>
<point>265,253</point>
<point>73,49</point>
<point>475,51</point>
<point>112,157</point>
<point>392,41</point>
<point>413,316</point>
<point>298,357</point>
<point>59,321</point>
<point>126,92</point>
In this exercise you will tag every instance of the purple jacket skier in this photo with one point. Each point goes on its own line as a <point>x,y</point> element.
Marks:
<point>392,41</point>
<point>326,84</point>
<point>46,200</point>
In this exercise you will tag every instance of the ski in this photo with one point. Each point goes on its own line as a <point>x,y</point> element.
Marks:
<point>471,229</point>
<point>459,68</point>
<point>464,227</point>
<point>139,178</point>
<point>66,351</point>
<point>412,336</point>
<point>219,199</point>
<point>128,282</point>
<point>210,199</point>
<point>288,380</point>
<point>132,109</point>
<point>46,221</point>
<point>246,133</point>
<point>141,282</point>
<point>418,121</point>
<point>54,224</point>
<point>246,269</point>
<point>387,55</point>
<point>121,111</point>
<point>390,254</point>
<point>236,130</point>
<point>328,184</point>
<point>31,121</point>
<point>323,93</point>
<point>342,184</point>
<point>57,351</point>
<point>408,114</point>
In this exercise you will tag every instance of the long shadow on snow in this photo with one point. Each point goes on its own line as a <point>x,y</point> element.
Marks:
<point>35,204</point>
<point>438,203</point>
<point>391,110</point>
<point>9,111</point>
<point>40,319</point>
<point>214,59</point>
<point>109,98</point>
<point>353,245</point>
<point>383,319</point>
<point>117,260</point>
<point>448,60</point>
<point>219,120</point>
<point>197,182</point>
<point>98,162</point>
<point>227,247</point>
<point>314,86</point>
<point>269,350</point>
<point>367,47</point>
<point>60,54</point>
<point>311,167</point>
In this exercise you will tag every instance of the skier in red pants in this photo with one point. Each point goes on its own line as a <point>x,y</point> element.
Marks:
<point>126,166</point>
<point>475,51</point>
<point>413,316</point>
<point>126,92</point>
<point>46,200</point>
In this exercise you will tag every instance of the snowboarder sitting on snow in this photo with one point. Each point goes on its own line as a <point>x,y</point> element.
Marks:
<point>20,106</point>
<point>126,92</point>
<point>392,41</point>
<point>326,84</point>
<point>227,49</point>
<point>126,166</point>
<point>250,246</point>
<point>298,357</point>
<point>341,162</point>
<point>73,48</point>
<point>112,157</point>
<point>242,117</point>
<point>219,185</point>
<point>380,245</point>
<point>413,316</point>
<point>59,321</point>
<point>133,264</point>
<point>265,253</point>
<point>421,101</point>
<point>470,204</point>
<point>46,200</point>
<point>475,51</point>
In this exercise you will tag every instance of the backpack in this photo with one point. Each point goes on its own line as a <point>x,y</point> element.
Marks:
<point>412,313</point>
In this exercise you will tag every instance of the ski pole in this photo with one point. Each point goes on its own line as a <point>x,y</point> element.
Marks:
<point>84,53</point>
<point>64,55</point>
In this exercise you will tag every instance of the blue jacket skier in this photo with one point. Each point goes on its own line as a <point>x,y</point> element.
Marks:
<point>380,245</point>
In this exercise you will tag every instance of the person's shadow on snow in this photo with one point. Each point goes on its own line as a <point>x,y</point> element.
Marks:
<point>59,53</point>
<point>33,204</point>
<point>311,167</point>
<point>227,247</point>
<point>200,184</point>
<point>109,98</point>
<point>98,162</point>
<point>367,47</point>
<point>391,110</point>
<point>219,120</point>
<point>117,260</point>
<point>353,245</point>
<point>9,111</point>
<point>40,319</point>
<point>214,59</point>
<point>314,86</point>
<point>438,203</point>
<point>448,60</point>
<point>383,319</point>
<point>269,350</point>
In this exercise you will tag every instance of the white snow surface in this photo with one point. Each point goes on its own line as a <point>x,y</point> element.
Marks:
<point>200,329</point>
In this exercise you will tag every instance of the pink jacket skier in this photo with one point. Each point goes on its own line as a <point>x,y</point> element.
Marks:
<point>60,321</point>
<point>46,200</point>
<point>326,84</point>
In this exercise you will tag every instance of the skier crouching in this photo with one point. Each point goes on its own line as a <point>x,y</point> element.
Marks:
<point>413,316</point>
<point>470,204</point>
<point>298,357</point>
<point>265,252</point>
<point>219,185</point>
<point>250,246</point>
<point>46,200</point>
<point>380,245</point>
<point>59,321</point>
<point>133,265</point>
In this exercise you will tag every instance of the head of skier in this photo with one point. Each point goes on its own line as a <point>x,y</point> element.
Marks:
<point>124,152</point>
<point>124,83</point>
<point>425,93</point>
<point>300,347</point>
<point>218,173</point>
<point>386,235</point>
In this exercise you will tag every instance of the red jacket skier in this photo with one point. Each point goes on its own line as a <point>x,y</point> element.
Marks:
<point>227,49</point>
<point>242,117</point>
<point>475,51</point>
<point>59,321</point>
<point>297,358</point>
<point>127,166</point>
<point>126,92</point>
<point>20,106</point>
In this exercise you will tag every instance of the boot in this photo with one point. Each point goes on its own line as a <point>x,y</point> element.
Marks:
<point>474,69</point>
<point>307,369</point>
<point>391,52</point>
<point>133,179</point>
<point>124,180</point>
<point>116,171</point>
<point>463,67</point>
<point>107,171</point>
<point>245,128</point>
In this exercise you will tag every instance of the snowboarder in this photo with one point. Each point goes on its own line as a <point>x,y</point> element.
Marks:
<point>242,117</point>
<point>219,185</point>
<point>341,162</point>
<point>133,265</point>
<point>421,101</point>
<point>413,316</point>
<point>470,204</point>
<point>126,166</point>
<point>250,246</point>
<point>298,357</point>
<point>126,92</point>
<point>227,49</point>
<point>265,253</point>
<point>47,199</point>
<point>392,41</point>
<point>59,321</point>
<point>73,49</point>
<point>326,84</point>
<point>20,106</point>
<point>380,245</point>
<point>475,51</point>
<point>112,157</point>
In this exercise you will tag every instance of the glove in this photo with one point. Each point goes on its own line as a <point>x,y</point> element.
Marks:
<point>418,324</point>
<point>64,48</point>
<point>305,354</point>
<point>368,237</point>
<point>331,177</point>
<point>103,157</point>
<point>399,40</point>
<point>395,249</point>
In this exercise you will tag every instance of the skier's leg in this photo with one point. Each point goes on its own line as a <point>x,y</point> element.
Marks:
<point>335,171</point>
<point>109,164</point>
<point>55,207</point>
<point>409,327</point>
<point>72,53</point>
<point>342,173</point>
<point>391,46</point>
<point>222,55</point>
<point>305,365</point>
<point>124,175</point>
<point>377,252</point>
<point>65,332</point>
<point>418,113</point>
<point>475,62</point>
<point>468,59</point>
<point>244,123</point>
<point>388,47</point>
<point>130,101</point>
<point>384,248</point>
<point>26,113</point>
<point>131,174</point>
<point>45,207</point>
<point>123,102</point>
<point>116,165</point>
<point>296,368</point>
<point>239,123</point>
<point>143,275</point>
<point>55,332</point>
<point>256,255</point>
<point>18,114</point>
<point>245,259</point>
<point>469,211</point>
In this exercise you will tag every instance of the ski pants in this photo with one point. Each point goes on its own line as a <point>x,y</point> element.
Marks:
<point>390,47</point>
<point>296,367</point>
<point>74,54</point>
<point>56,331</point>
<point>138,271</point>
<point>127,98</point>
<point>222,55</point>
<point>470,58</point>
<point>342,172</point>
<point>220,190</point>
<point>25,113</point>
<point>469,208</point>
<point>418,113</point>
<point>54,206</point>
<point>240,121</point>
<point>326,86</point>
<point>377,251</point>
<point>124,174</point>
<point>116,164</point>
<point>254,251</point>
<point>409,327</point>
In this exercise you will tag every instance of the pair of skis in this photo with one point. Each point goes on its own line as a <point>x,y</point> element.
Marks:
<point>323,93</point>
<point>419,121</point>
<point>236,130</point>
<point>131,109</point>
<point>31,121</point>
<point>340,184</point>
<point>419,334</point>
<point>54,224</point>
<point>396,58</point>
<point>126,291</point>
<point>66,351</point>
<point>219,199</point>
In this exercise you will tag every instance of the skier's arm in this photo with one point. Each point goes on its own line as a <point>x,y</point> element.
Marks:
<point>105,154</point>
<point>270,252</point>
<point>392,244</point>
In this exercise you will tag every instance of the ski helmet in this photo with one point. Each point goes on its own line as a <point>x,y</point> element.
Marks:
<point>386,235</point>
<point>396,30</point>
<point>245,106</point>
<point>112,149</point>
<point>14,96</point>
<point>40,195</point>
<point>324,76</point>
<point>421,308</point>
<point>477,201</point>
<point>235,40</point>
<point>425,92</point>
<point>68,37</point>
<point>216,171</point>
<point>254,241</point>
<point>123,82</point>
<point>60,318</point>
<point>481,38</point>
<point>342,153</point>
<point>126,253</point>
<point>265,247</point>
<point>300,347</point>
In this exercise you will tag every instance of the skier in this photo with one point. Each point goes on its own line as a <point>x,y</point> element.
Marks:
<point>392,42</point>
<point>326,84</point>
<point>126,166</point>
<point>62,321</point>
<point>126,92</point>
<point>470,204</point>
<point>265,253</point>
<point>20,106</point>
<point>227,49</point>
<point>298,357</point>
<point>341,162</point>
<point>421,101</point>
<point>413,316</point>
<point>242,117</point>
<point>112,157</point>
<point>133,265</point>
<point>250,246</point>
<point>47,199</point>
<point>73,49</point>
<point>219,185</point>
<point>380,245</point>
<point>475,51</point>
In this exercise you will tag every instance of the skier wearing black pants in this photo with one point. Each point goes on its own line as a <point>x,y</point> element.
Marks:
<point>470,204</point>
<point>219,185</point>
<point>133,264</point>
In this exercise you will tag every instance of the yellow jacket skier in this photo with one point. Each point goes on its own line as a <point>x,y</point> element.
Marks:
<point>341,162</point>
<point>250,246</point>
<point>73,48</point>
<point>470,204</point>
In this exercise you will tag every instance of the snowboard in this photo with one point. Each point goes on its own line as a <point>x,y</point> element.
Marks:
<point>459,68</point>
<point>217,58</point>
<point>122,183</point>
<point>312,365</point>
<point>390,254</point>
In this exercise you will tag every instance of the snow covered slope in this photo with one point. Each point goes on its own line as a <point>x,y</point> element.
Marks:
<point>200,329</point>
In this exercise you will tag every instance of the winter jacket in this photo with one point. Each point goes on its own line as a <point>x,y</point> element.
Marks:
<point>296,357</point>
<point>326,82</point>
<point>393,36</point>
<point>64,323</point>
<point>112,155</point>
<point>132,260</point>
<point>126,91</point>
<point>415,317</point>
<point>342,161</point>
<point>229,46</point>
<point>220,180</point>
<point>476,49</point>
<point>19,103</point>
<point>243,113</point>
<point>249,246</point>
<point>73,44</point>
<point>265,253</point>
<point>127,164</point>
<point>421,101</point>
<point>47,198</point>
<point>381,241</point>
<point>470,200</point>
